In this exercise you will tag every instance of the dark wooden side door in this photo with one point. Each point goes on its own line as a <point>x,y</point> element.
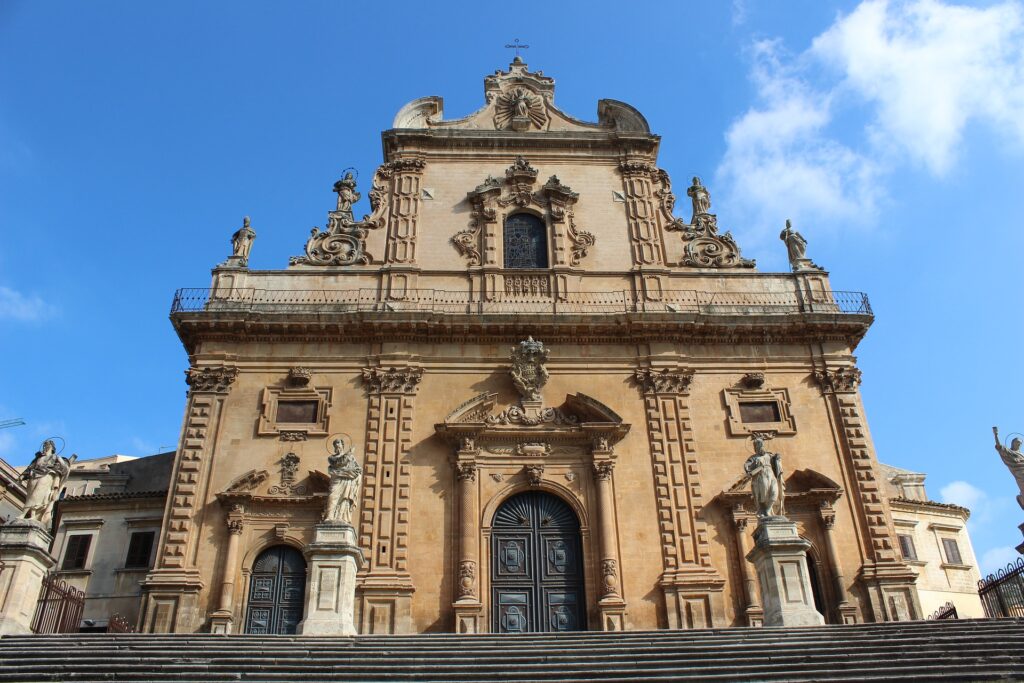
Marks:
<point>276,591</point>
<point>536,566</point>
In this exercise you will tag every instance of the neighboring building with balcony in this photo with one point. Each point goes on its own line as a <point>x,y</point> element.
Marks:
<point>933,539</point>
<point>599,484</point>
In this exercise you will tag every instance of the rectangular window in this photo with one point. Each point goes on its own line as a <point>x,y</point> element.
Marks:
<point>140,547</point>
<point>760,411</point>
<point>77,551</point>
<point>297,412</point>
<point>952,551</point>
<point>907,547</point>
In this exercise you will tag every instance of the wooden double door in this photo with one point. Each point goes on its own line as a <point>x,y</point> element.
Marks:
<point>536,566</point>
<point>277,590</point>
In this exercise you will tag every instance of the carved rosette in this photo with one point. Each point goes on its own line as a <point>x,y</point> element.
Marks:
<point>664,381</point>
<point>838,381</point>
<point>467,579</point>
<point>392,380</point>
<point>213,380</point>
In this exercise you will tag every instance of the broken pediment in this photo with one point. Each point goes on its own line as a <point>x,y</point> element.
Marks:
<point>523,101</point>
<point>803,487</point>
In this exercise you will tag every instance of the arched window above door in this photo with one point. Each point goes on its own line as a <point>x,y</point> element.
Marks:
<point>526,242</point>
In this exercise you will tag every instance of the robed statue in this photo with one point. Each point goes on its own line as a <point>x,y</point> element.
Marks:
<point>241,242</point>
<point>43,479</point>
<point>346,481</point>
<point>1014,461</point>
<point>347,196</point>
<point>700,198</point>
<point>765,471</point>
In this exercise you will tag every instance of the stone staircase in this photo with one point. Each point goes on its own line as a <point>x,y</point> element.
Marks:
<point>966,650</point>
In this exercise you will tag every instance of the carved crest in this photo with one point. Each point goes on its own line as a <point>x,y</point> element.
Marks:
<point>529,375</point>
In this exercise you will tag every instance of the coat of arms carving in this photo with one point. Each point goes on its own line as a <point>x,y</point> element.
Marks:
<point>528,372</point>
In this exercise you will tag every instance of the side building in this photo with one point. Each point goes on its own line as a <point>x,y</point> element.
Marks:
<point>933,540</point>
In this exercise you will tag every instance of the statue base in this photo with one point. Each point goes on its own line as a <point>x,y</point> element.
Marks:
<point>24,561</point>
<point>780,556</point>
<point>334,558</point>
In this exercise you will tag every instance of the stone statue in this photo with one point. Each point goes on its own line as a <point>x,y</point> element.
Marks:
<point>241,242</point>
<point>765,471</point>
<point>1014,460</point>
<point>796,246</point>
<point>346,481</point>
<point>700,197</point>
<point>347,196</point>
<point>43,479</point>
<point>528,372</point>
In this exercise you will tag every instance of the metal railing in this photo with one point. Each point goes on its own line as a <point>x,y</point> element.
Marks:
<point>1002,593</point>
<point>60,606</point>
<point>247,299</point>
<point>118,624</point>
<point>947,611</point>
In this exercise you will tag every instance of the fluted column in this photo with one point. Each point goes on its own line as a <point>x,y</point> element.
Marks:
<point>222,620</point>
<point>753,610</point>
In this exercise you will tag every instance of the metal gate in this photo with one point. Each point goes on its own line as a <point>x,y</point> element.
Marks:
<point>536,566</point>
<point>60,606</point>
<point>276,591</point>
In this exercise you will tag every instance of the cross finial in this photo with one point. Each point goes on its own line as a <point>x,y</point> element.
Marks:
<point>515,45</point>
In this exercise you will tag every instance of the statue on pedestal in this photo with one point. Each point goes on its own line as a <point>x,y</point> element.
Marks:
<point>796,247</point>
<point>241,242</point>
<point>765,471</point>
<point>347,196</point>
<point>1014,461</point>
<point>43,478</point>
<point>346,481</point>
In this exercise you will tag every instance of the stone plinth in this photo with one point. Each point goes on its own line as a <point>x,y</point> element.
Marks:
<point>334,558</point>
<point>780,556</point>
<point>25,557</point>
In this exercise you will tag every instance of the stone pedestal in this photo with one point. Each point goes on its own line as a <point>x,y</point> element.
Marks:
<point>780,556</point>
<point>25,557</point>
<point>333,558</point>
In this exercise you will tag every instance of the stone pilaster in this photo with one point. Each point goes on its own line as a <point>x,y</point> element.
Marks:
<point>403,218</point>
<point>693,588</point>
<point>24,561</point>
<point>171,591</point>
<point>385,583</point>
<point>468,606</point>
<point>645,237</point>
<point>610,605</point>
<point>888,582</point>
<point>222,620</point>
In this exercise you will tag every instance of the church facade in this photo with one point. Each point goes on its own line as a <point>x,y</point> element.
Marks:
<point>551,383</point>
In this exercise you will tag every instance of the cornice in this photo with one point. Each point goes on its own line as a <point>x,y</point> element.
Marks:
<point>947,508</point>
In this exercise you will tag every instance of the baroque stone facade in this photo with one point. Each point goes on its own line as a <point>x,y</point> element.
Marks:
<point>550,382</point>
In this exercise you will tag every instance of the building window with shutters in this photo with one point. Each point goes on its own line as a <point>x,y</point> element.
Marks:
<point>76,553</point>
<point>140,548</point>
<point>952,551</point>
<point>907,547</point>
<point>526,242</point>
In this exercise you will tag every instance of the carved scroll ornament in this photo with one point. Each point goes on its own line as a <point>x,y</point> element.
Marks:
<point>703,247</point>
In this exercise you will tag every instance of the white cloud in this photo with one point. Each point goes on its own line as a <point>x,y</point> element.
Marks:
<point>962,493</point>
<point>997,558</point>
<point>7,445</point>
<point>920,71</point>
<point>17,306</point>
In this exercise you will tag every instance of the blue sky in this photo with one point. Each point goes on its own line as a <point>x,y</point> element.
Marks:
<point>134,136</point>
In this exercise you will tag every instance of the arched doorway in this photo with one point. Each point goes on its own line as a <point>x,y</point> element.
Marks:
<point>276,591</point>
<point>536,566</point>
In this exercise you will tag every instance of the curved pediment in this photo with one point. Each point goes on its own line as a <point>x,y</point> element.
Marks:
<point>519,100</point>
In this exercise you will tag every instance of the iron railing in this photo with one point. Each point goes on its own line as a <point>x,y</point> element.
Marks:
<point>118,624</point>
<point>60,606</point>
<point>247,299</point>
<point>947,611</point>
<point>1002,593</point>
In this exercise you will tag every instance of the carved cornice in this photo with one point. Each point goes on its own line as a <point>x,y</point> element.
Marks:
<point>665,381</point>
<point>843,380</point>
<point>214,380</point>
<point>392,380</point>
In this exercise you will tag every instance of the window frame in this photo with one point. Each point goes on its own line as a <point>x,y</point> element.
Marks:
<point>83,555</point>
<point>149,554</point>
<point>912,556</point>
<point>946,542</point>
<point>545,240</point>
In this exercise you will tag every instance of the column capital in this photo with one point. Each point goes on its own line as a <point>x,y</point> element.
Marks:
<point>215,380</point>
<point>844,380</point>
<point>465,471</point>
<point>603,470</point>
<point>664,381</point>
<point>396,380</point>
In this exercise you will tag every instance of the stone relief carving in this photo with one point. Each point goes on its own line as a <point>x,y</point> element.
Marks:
<point>293,436</point>
<point>609,570</point>
<point>498,477</point>
<point>839,380</point>
<point>766,483</point>
<point>663,381</point>
<point>465,471</point>
<point>705,248</point>
<point>343,243</point>
<point>288,487</point>
<point>753,380</point>
<point>248,481</point>
<point>529,374</point>
<point>392,380</point>
<point>521,177</point>
<point>535,473</point>
<point>519,109</point>
<point>796,248</point>
<point>603,470</point>
<point>299,376</point>
<point>532,449</point>
<point>516,415</point>
<point>346,481</point>
<point>43,479</point>
<point>216,380</point>
<point>467,579</point>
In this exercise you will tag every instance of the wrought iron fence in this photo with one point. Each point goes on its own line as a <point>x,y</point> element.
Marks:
<point>947,611</point>
<point>60,606</point>
<point>1002,593</point>
<point>118,624</point>
<point>248,299</point>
